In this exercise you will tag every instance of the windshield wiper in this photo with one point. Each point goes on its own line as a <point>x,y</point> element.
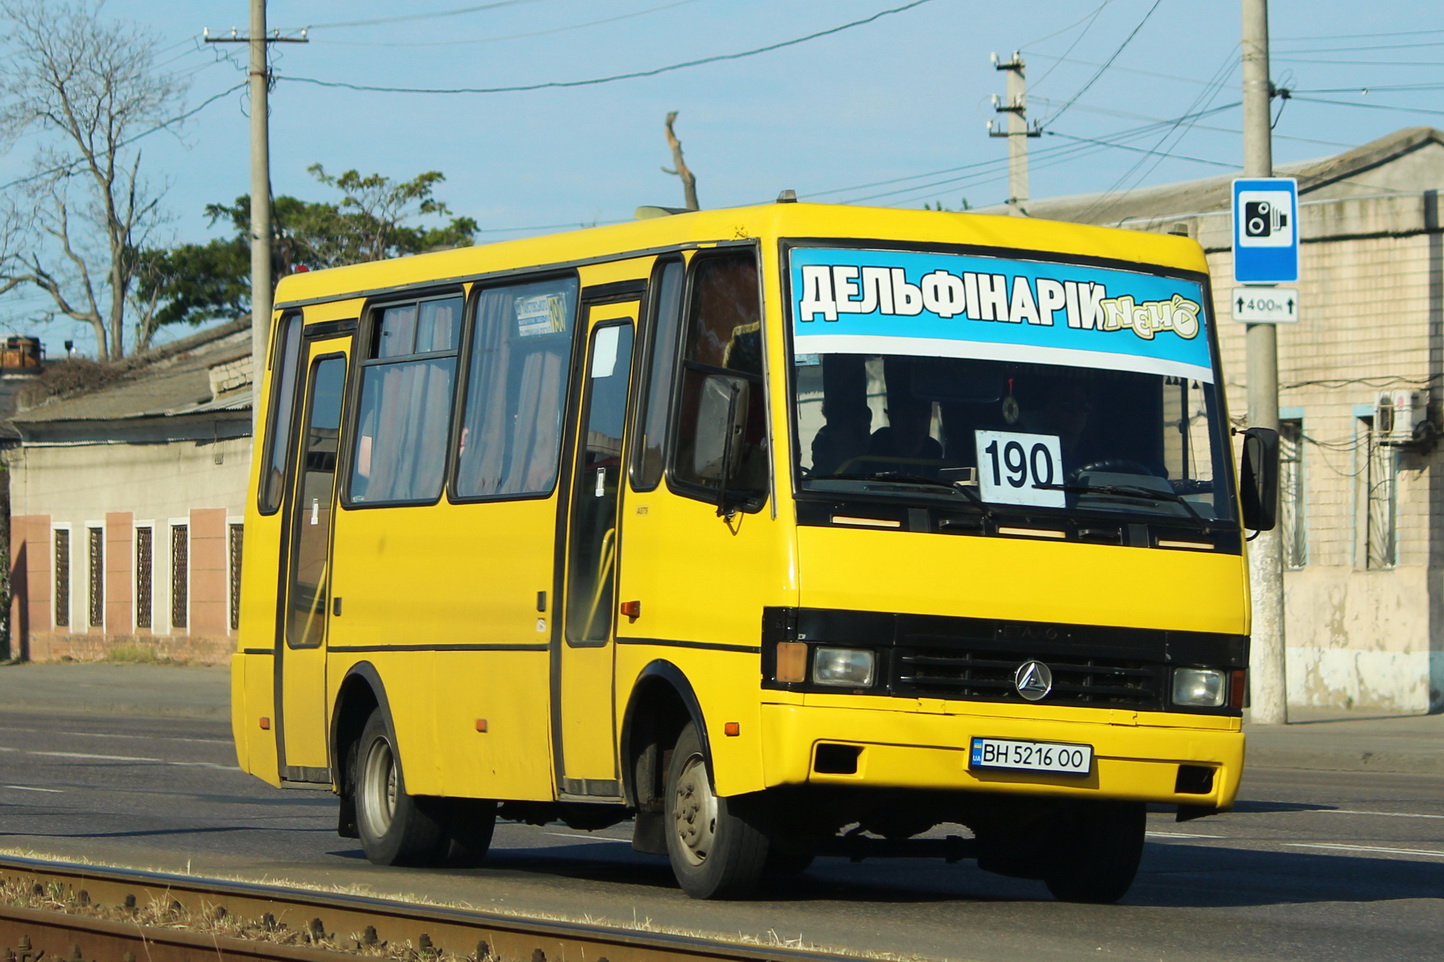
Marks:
<point>1135,491</point>
<point>967,491</point>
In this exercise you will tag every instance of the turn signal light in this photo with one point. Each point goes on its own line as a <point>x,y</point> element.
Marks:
<point>791,662</point>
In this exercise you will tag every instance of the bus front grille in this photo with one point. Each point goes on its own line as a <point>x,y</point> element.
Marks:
<point>974,675</point>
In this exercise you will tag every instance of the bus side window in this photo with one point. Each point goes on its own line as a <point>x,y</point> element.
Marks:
<point>723,335</point>
<point>511,426</point>
<point>664,318</point>
<point>405,409</point>
<point>282,412</point>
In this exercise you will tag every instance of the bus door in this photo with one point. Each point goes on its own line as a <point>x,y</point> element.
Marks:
<point>305,568</point>
<point>585,703</point>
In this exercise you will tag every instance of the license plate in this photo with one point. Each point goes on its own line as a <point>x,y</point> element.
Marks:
<point>1052,757</point>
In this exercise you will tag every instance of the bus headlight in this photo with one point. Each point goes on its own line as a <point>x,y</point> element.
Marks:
<point>844,667</point>
<point>1199,687</point>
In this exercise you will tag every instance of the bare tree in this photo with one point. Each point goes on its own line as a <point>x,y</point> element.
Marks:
<point>83,90</point>
<point>689,180</point>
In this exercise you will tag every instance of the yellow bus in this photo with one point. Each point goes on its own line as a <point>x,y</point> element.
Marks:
<point>780,531</point>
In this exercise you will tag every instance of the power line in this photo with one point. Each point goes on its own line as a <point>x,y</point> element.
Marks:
<point>633,75</point>
<point>127,142</point>
<point>1108,63</point>
<point>1345,103</point>
<point>513,36</point>
<point>412,17</point>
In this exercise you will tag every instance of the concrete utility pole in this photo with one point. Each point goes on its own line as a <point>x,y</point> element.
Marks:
<point>260,79</point>
<point>1268,689</point>
<point>1016,107</point>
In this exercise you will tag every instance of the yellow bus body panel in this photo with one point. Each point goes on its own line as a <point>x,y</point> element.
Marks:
<point>473,709</point>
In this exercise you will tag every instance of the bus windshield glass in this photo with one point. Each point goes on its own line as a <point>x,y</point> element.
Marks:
<point>1013,385</point>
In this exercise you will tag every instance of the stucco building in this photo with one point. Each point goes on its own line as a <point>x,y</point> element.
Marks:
<point>1361,378</point>
<point>126,505</point>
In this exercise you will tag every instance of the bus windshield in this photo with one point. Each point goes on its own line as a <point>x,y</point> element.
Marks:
<point>1019,387</point>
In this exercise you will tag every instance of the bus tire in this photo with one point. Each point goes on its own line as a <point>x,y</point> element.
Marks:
<point>716,845</point>
<point>396,827</point>
<point>470,824</point>
<point>1096,851</point>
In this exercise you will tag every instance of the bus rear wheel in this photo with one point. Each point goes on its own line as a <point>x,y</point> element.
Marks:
<point>1096,849</point>
<point>716,845</point>
<point>396,827</point>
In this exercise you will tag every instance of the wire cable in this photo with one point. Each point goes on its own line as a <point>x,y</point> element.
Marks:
<point>1108,63</point>
<point>632,75</point>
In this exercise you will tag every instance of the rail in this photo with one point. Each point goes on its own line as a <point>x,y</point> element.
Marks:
<point>93,914</point>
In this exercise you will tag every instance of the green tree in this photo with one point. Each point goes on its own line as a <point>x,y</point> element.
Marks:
<point>195,283</point>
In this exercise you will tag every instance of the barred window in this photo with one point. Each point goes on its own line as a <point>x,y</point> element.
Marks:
<point>235,573</point>
<point>179,574</point>
<point>144,576</point>
<point>1291,490</point>
<point>97,577</point>
<point>62,578</point>
<point>1377,527</point>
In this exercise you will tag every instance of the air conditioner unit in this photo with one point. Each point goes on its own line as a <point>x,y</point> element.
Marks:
<point>1397,414</point>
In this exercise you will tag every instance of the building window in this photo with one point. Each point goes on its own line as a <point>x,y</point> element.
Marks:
<point>1377,473</point>
<point>1291,492</point>
<point>235,573</point>
<point>62,578</point>
<point>97,577</point>
<point>179,574</point>
<point>144,575</point>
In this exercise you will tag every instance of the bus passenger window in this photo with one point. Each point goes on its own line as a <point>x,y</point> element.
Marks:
<point>521,352</point>
<point>723,335</point>
<point>664,318</point>
<point>405,406</point>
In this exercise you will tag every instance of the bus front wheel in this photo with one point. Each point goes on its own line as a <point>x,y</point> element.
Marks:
<point>1096,850</point>
<point>716,845</point>
<point>396,828</point>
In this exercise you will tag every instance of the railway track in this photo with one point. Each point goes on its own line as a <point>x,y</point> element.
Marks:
<point>81,913</point>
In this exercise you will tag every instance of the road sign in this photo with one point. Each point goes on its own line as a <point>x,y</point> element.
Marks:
<point>1266,305</point>
<point>1265,230</point>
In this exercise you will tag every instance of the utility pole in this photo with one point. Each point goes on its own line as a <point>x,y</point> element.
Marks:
<point>260,79</point>
<point>1016,107</point>
<point>1268,690</point>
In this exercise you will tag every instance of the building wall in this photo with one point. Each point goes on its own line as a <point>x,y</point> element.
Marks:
<point>1359,633</point>
<point>120,489</point>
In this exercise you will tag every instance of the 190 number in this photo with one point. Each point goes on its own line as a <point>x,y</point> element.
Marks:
<point>1025,468</point>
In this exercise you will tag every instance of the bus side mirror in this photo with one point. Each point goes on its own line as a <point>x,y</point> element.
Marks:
<point>1259,479</point>
<point>721,421</point>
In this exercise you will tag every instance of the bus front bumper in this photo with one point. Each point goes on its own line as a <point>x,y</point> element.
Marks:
<point>1177,759</point>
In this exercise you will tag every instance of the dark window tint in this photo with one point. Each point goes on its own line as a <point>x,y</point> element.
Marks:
<point>722,335</point>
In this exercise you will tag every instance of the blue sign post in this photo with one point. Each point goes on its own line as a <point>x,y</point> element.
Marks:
<point>1266,230</point>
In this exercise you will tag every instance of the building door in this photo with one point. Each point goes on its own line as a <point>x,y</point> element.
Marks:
<point>306,568</point>
<point>586,708</point>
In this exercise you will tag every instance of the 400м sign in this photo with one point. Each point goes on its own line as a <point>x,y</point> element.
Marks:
<point>949,305</point>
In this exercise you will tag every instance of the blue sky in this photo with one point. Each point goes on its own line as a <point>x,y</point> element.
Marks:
<point>892,111</point>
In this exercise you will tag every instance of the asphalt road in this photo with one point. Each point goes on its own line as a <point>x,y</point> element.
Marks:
<point>1312,865</point>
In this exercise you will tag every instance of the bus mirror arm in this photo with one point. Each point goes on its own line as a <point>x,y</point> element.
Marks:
<point>1259,479</point>
<point>721,423</point>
